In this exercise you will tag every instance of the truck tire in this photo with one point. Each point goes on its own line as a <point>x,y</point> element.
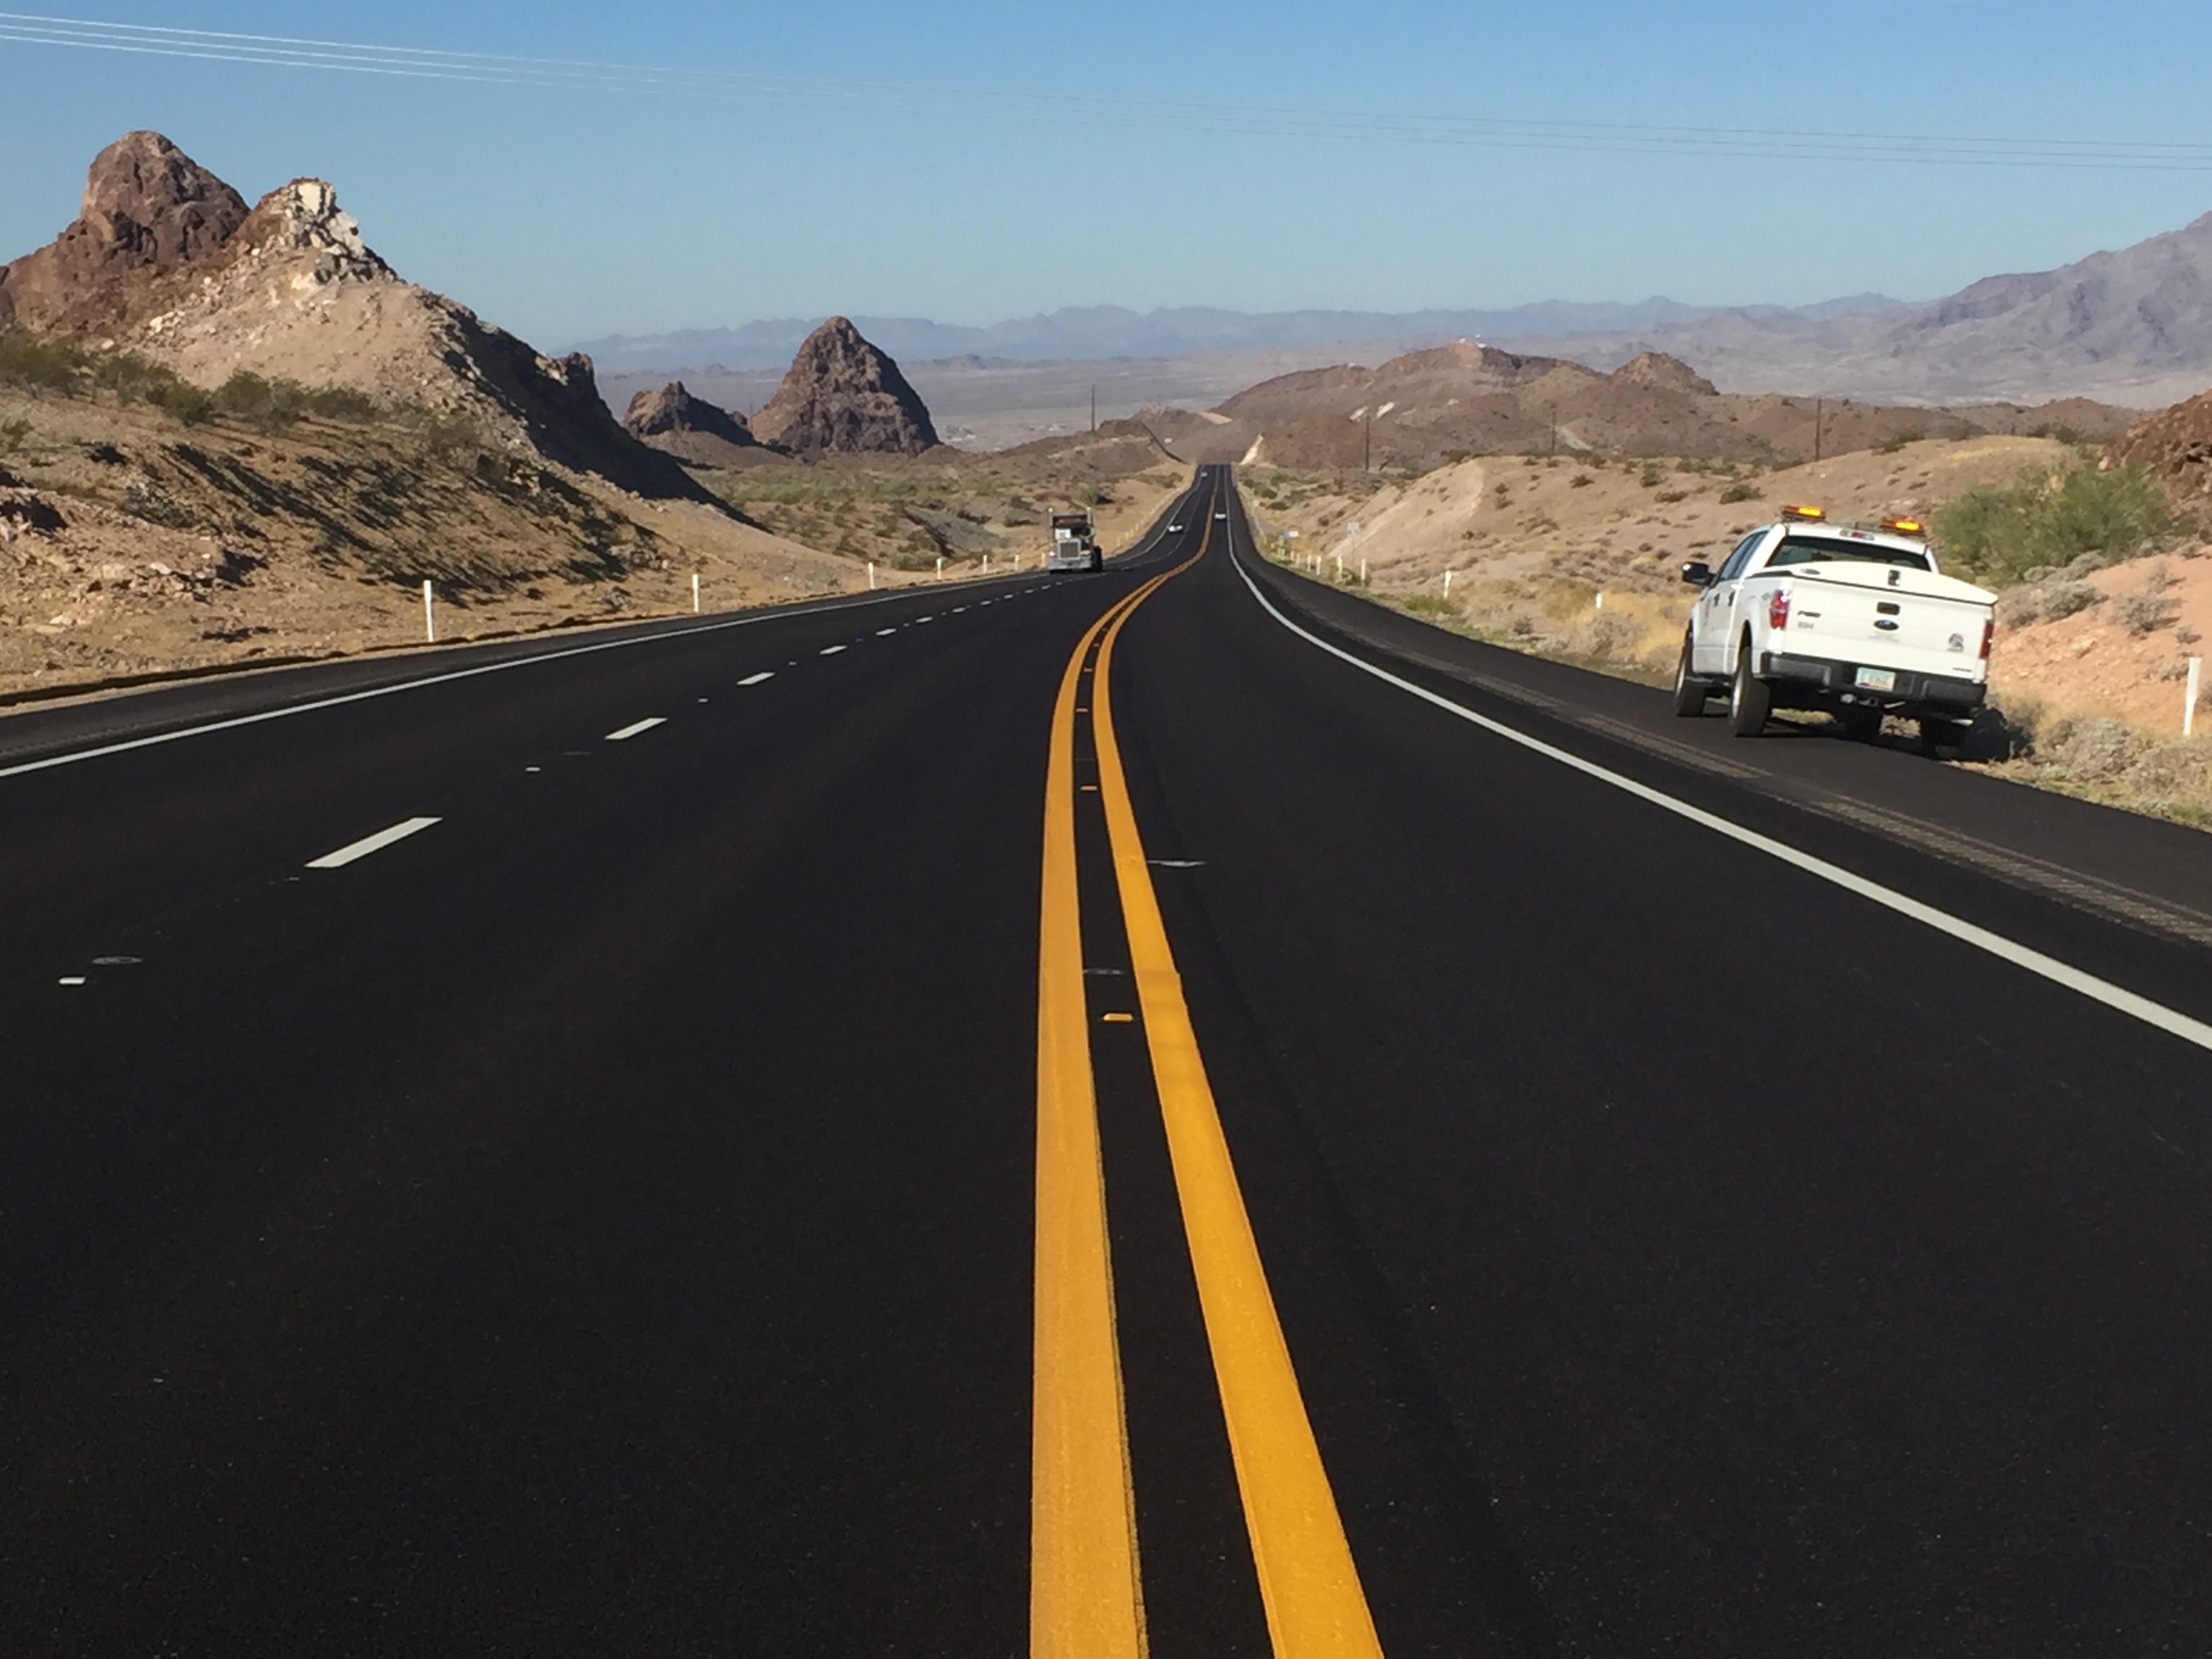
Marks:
<point>1749,700</point>
<point>1690,693</point>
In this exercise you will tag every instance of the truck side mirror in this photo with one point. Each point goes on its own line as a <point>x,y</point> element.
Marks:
<point>1698,574</point>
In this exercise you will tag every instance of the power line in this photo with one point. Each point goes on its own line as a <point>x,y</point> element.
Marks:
<point>569,75</point>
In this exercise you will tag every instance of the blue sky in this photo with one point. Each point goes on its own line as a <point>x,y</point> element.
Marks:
<point>1031,157</point>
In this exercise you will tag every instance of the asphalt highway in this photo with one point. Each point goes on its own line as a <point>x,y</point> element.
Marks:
<point>1170,1111</point>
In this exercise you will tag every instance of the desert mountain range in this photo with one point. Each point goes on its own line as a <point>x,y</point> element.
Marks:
<point>2132,327</point>
<point>1083,331</point>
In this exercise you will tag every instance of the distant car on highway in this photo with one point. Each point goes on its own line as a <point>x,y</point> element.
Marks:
<point>1218,517</point>
<point>1855,620</point>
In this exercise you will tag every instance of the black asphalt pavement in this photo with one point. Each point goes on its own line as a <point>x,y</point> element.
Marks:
<point>600,1221</point>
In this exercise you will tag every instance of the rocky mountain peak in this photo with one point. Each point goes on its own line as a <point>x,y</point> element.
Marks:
<point>674,421</point>
<point>842,395</point>
<point>154,205</point>
<point>1660,372</point>
<point>148,208</point>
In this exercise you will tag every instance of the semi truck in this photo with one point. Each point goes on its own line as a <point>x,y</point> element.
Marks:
<point>1075,543</point>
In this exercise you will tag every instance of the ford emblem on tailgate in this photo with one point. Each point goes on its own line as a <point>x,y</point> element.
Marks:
<point>1958,642</point>
<point>1887,623</point>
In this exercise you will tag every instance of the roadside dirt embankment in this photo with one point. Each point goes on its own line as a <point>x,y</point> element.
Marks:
<point>1579,558</point>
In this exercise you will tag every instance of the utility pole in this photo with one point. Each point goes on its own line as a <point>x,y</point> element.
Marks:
<point>1094,409</point>
<point>1553,410</point>
<point>1367,444</point>
<point>1817,406</point>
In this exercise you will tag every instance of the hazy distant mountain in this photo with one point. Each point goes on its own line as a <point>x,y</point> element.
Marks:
<point>2130,327</point>
<point>1094,332</point>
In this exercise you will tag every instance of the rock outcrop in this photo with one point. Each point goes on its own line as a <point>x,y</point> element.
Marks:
<point>165,261</point>
<point>1660,372</point>
<point>842,396</point>
<point>2175,443</point>
<point>674,422</point>
<point>148,208</point>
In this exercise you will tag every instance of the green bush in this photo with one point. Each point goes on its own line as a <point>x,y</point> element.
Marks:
<point>42,365</point>
<point>1740,492</point>
<point>2050,517</point>
<point>271,405</point>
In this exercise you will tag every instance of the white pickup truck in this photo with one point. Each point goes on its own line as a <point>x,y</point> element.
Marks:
<point>1853,620</point>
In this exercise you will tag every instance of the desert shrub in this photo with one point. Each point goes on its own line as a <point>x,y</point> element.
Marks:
<point>1611,635</point>
<point>1670,496</point>
<point>2050,517</point>
<point>12,435</point>
<point>1580,481</point>
<point>2145,612</point>
<point>1650,476</point>
<point>42,365</point>
<point>2049,600</point>
<point>1739,492</point>
<point>2091,751</point>
<point>275,403</point>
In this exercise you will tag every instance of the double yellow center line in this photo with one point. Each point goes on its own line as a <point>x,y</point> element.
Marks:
<point>1086,1596</point>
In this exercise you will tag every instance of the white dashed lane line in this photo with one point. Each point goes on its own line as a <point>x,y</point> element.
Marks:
<point>829,650</point>
<point>882,633</point>
<point>635,727</point>
<point>755,680</point>
<point>368,844</point>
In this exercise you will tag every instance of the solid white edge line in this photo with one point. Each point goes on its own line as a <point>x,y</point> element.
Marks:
<point>635,727</point>
<point>2021,956</point>
<point>368,844</point>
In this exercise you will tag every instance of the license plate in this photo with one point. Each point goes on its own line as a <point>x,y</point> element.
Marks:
<point>1876,679</point>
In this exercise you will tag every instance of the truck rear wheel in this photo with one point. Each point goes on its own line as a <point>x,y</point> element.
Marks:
<point>1689,693</point>
<point>1749,700</point>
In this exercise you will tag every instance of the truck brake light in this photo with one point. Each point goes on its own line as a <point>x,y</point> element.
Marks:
<point>1989,634</point>
<point>1777,609</point>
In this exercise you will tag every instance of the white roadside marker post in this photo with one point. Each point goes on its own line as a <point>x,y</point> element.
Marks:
<point>940,567</point>
<point>429,616</point>
<point>1600,606</point>
<point>694,592</point>
<point>871,576</point>
<point>2189,697</point>
<point>1339,566</point>
<point>1362,573</point>
<point>1447,576</point>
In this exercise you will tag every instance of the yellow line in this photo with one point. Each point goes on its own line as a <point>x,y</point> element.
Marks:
<point>1085,1599</point>
<point>1308,1582</point>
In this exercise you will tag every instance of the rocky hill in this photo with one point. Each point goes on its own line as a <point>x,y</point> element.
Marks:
<point>2175,444</point>
<point>166,262</point>
<point>1426,408</point>
<point>842,396</point>
<point>674,422</point>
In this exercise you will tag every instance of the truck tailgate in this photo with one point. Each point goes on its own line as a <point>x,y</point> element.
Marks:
<point>1888,616</point>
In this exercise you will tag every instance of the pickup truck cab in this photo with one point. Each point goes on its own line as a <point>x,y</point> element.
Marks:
<point>1853,620</point>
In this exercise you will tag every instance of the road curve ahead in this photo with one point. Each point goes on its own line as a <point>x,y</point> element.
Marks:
<point>1165,1112</point>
